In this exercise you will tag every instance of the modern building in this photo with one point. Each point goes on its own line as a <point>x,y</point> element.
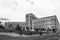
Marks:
<point>33,22</point>
<point>29,18</point>
<point>46,22</point>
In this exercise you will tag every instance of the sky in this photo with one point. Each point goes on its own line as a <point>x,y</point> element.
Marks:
<point>15,10</point>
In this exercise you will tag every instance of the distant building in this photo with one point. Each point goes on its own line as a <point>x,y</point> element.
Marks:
<point>14,24</point>
<point>3,20</point>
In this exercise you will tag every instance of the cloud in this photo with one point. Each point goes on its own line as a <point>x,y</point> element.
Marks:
<point>16,9</point>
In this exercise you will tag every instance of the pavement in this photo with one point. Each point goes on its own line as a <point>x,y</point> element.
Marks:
<point>16,35</point>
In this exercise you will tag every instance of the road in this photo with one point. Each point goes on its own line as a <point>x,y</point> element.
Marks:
<point>39,37</point>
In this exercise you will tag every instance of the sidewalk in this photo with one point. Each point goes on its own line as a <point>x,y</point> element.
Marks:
<point>16,35</point>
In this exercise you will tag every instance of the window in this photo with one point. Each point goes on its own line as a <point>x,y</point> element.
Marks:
<point>53,19</point>
<point>21,24</point>
<point>26,15</point>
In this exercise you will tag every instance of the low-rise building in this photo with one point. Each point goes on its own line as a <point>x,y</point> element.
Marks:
<point>14,24</point>
<point>46,22</point>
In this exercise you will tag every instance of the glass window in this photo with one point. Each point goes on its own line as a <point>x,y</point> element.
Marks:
<point>26,15</point>
<point>53,19</point>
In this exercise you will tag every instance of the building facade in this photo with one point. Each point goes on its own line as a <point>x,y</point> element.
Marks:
<point>46,22</point>
<point>33,22</point>
<point>14,24</point>
<point>28,23</point>
<point>29,18</point>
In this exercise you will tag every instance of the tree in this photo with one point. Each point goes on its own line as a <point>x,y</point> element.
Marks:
<point>19,28</point>
<point>1,26</point>
<point>10,27</point>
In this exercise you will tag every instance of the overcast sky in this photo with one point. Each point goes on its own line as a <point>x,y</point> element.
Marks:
<point>15,10</point>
